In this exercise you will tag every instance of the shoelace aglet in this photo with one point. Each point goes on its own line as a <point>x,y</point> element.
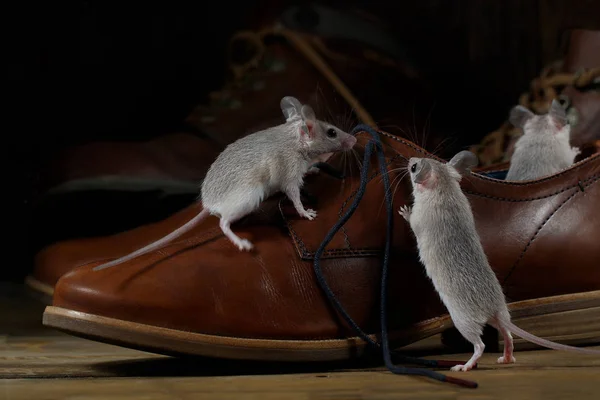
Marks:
<point>461,382</point>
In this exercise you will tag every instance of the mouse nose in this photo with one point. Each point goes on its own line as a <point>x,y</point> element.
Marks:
<point>349,142</point>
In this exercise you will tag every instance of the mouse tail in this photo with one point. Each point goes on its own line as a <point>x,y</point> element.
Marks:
<point>159,243</point>
<point>547,343</point>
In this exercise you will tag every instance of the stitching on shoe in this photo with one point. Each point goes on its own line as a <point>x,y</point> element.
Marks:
<point>333,253</point>
<point>511,183</point>
<point>535,235</point>
<point>593,177</point>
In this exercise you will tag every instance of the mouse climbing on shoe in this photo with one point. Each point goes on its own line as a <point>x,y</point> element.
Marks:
<point>544,149</point>
<point>256,166</point>
<point>450,249</point>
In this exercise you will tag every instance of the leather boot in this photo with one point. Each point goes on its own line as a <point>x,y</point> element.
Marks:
<point>574,82</point>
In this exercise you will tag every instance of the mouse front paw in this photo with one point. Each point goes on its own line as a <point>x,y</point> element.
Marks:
<point>576,151</point>
<point>405,211</point>
<point>310,214</point>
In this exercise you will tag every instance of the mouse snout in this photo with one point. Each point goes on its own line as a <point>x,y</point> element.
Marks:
<point>348,142</point>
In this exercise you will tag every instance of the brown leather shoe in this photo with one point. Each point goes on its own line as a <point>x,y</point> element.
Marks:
<point>574,82</point>
<point>200,295</point>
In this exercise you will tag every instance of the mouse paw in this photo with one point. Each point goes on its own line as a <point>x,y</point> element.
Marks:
<point>507,360</point>
<point>244,244</point>
<point>576,151</point>
<point>405,212</point>
<point>460,367</point>
<point>310,214</point>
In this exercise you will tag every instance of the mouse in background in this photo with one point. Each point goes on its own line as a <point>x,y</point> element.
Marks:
<point>256,166</point>
<point>544,149</point>
<point>450,249</point>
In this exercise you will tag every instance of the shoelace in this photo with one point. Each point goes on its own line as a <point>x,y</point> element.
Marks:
<point>375,145</point>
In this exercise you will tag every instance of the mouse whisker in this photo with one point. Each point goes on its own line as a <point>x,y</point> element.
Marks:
<point>398,178</point>
<point>398,184</point>
<point>440,147</point>
<point>357,158</point>
<point>401,168</point>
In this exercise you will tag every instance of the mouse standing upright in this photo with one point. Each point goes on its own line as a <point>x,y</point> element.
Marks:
<point>450,248</point>
<point>256,166</point>
<point>544,149</point>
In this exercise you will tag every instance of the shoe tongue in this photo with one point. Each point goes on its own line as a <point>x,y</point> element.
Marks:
<point>583,51</point>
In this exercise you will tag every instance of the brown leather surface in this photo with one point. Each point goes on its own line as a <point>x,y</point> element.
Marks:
<point>587,106</point>
<point>541,239</point>
<point>59,258</point>
<point>584,50</point>
<point>178,156</point>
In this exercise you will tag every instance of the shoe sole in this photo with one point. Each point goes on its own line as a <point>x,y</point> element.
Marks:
<point>566,319</point>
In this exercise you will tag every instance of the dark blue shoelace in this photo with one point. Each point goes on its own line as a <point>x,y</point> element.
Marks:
<point>375,145</point>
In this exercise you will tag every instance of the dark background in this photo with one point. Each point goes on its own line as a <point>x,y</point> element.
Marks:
<point>80,71</point>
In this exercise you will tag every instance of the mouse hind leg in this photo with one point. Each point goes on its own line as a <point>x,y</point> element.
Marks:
<point>471,331</point>
<point>236,211</point>
<point>507,357</point>
<point>242,244</point>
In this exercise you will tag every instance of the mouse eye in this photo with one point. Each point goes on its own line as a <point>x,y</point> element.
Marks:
<point>331,133</point>
<point>413,168</point>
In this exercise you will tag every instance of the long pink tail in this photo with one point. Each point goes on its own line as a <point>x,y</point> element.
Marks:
<point>159,243</point>
<point>546,343</point>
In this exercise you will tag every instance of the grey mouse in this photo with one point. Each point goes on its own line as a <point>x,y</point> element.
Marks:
<point>256,166</point>
<point>544,148</point>
<point>450,249</point>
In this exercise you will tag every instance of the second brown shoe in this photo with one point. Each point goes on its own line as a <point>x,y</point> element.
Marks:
<point>200,295</point>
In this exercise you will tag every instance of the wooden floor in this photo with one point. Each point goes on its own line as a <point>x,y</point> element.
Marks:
<point>38,364</point>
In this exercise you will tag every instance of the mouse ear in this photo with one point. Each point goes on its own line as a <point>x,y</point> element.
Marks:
<point>519,115</point>
<point>464,161</point>
<point>290,106</point>
<point>308,114</point>
<point>558,114</point>
<point>307,129</point>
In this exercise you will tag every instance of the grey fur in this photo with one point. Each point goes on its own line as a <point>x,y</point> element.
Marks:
<point>451,251</point>
<point>464,162</point>
<point>519,115</point>
<point>256,166</point>
<point>544,148</point>
<point>290,106</point>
